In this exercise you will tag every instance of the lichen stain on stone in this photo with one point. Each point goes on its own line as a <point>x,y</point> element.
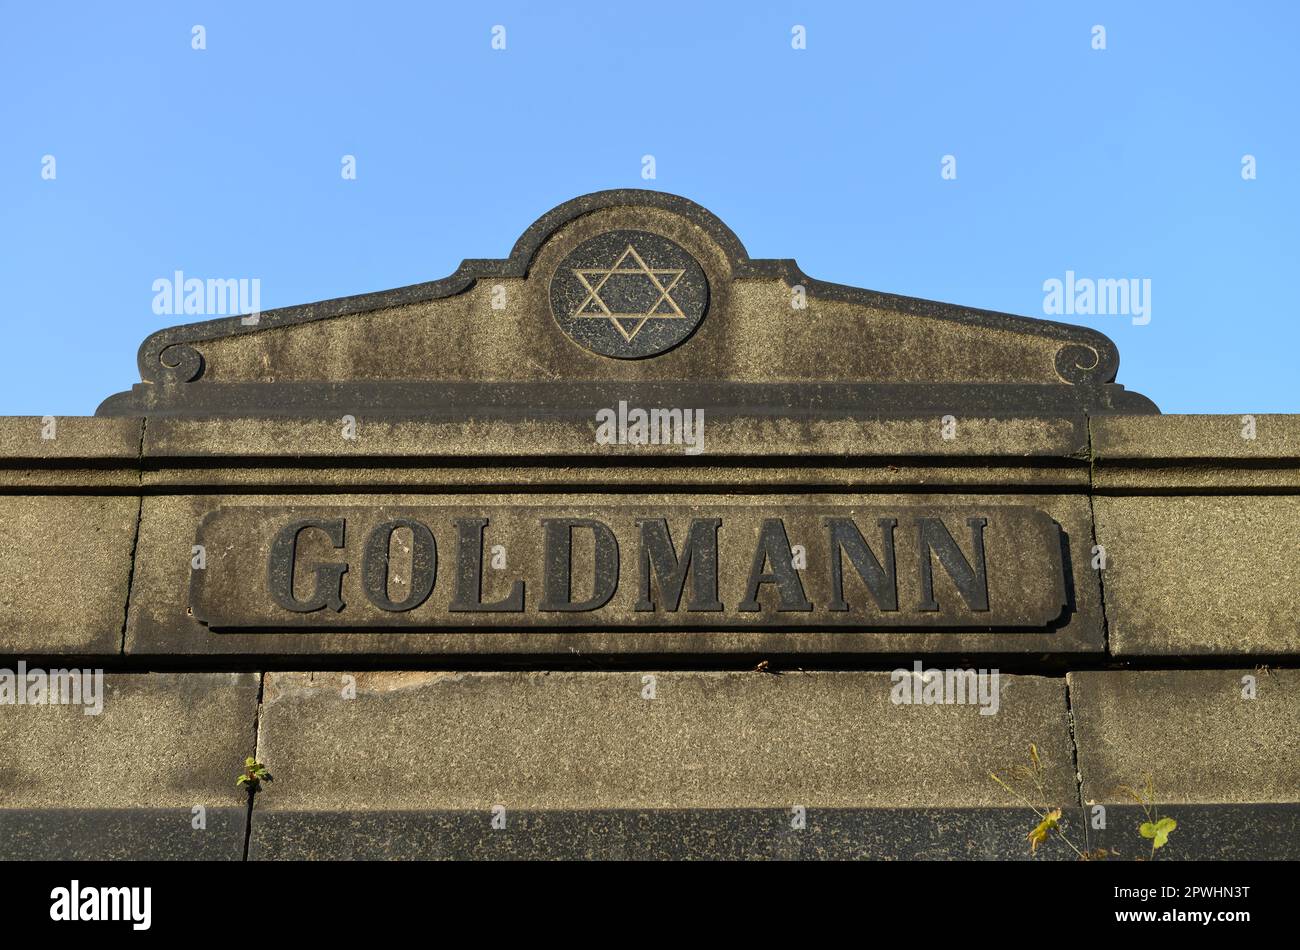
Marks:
<point>286,685</point>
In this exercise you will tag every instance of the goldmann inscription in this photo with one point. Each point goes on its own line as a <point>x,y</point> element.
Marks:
<point>402,568</point>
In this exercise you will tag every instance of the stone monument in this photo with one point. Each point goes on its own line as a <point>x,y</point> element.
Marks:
<point>630,545</point>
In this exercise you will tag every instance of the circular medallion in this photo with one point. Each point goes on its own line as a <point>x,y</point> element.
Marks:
<point>629,294</point>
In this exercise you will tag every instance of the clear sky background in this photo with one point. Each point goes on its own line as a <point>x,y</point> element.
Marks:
<point>225,162</point>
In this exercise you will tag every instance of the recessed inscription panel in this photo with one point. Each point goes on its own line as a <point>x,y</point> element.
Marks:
<point>406,568</point>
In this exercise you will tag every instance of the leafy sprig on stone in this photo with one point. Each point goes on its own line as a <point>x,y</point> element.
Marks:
<point>254,775</point>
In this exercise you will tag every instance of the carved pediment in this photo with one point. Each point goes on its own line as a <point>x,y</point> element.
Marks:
<point>617,295</point>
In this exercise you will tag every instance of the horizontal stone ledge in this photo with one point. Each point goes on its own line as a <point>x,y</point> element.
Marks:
<point>69,454</point>
<point>122,834</point>
<point>1212,477</point>
<point>1196,453</point>
<point>724,437</point>
<point>577,395</point>
<point>575,741</point>
<point>583,475</point>
<point>1200,736</point>
<point>51,439</point>
<point>1228,436</point>
<point>127,780</point>
<point>993,833</point>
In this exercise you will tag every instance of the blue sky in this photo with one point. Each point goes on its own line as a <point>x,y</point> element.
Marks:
<point>225,162</point>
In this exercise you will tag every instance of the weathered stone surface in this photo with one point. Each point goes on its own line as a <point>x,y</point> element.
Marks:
<point>712,767</point>
<point>63,438</point>
<point>1242,453</point>
<point>907,438</point>
<point>1201,574</point>
<point>575,741</point>
<point>1227,436</point>
<point>163,616</point>
<point>585,767</point>
<point>66,563</point>
<point>563,452</point>
<point>1200,521</point>
<point>837,834</point>
<point>1254,832</point>
<point>163,744</point>
<point>85,833</point>
<point>561,475</point>
<point>1204,833</point>
<point>69,452</point>
<point>1192,732</point>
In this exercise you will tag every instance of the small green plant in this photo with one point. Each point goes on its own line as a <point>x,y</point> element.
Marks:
<point>254,775</point>
<point>1155,828</point>
<point>1049,819</point>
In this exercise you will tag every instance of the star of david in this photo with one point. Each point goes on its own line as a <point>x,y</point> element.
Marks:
<point>629,324</point>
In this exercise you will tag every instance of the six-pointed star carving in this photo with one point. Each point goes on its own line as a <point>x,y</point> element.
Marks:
<point>634,321</point>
